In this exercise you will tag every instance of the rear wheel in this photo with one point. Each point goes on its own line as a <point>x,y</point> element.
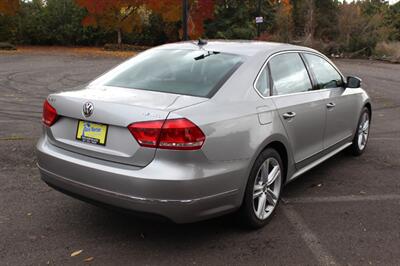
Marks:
<point>361,137</point>
<point>263,189</point>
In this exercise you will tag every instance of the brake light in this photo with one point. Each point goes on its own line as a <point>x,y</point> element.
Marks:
<point>146,133</point>
<point>173,134</point>
<point>49,116</point>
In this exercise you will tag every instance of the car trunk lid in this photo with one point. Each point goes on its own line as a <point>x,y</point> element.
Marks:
<point>116,108</point>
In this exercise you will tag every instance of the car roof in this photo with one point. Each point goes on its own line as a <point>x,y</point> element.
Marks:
<point>240,47</point>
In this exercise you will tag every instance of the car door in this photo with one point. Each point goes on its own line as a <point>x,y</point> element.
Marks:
<point>301,109</point>
<point>341,110</point>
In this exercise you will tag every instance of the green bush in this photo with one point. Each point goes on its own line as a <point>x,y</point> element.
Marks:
<point>8,29</point>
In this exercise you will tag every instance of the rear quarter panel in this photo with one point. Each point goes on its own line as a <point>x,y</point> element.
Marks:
<point>234,132</point>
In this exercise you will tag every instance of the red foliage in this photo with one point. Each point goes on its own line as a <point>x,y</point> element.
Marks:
<point>170,10</point>
<point>9,7</point>
<point>199,11</point>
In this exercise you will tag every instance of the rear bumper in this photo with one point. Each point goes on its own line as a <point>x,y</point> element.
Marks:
<point>181,192</point>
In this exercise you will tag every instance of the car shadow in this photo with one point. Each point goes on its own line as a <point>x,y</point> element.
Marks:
<point>317,176</point>
<point>124,225</point>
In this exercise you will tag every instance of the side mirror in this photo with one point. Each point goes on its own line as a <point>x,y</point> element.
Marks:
<point>353,82</point>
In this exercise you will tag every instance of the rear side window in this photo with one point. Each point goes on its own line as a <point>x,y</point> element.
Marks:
<point>289,74</point>
<point>325,74</point>
<point>262,84</point>
<point>188,72</point>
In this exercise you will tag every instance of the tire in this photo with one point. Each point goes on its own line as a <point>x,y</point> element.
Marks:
<point>262,189</point>
<point>361,136</point>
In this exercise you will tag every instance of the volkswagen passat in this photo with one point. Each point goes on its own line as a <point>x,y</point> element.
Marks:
<point>194,130</point>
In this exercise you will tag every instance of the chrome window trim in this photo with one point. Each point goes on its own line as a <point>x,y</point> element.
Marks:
<point>286,52</point>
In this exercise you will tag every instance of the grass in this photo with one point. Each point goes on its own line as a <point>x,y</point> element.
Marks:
<point>78,51</point>
<point>389,51</point>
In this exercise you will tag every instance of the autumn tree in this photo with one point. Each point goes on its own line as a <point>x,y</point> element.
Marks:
<point>8,20</point>
<point>9,7</point>
<point>124,15</point>
<point>171,11</point>
<point>116,15</point>
<point>361,27</point>
<point>284,21</point>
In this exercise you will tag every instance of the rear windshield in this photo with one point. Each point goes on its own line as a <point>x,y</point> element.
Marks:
<point>188,72</point>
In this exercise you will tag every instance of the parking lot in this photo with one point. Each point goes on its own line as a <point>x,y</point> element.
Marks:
<point>343,212</point>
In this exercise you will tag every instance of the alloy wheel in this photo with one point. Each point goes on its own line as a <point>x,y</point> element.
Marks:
<point>267,187</point>
<point>363,131</point>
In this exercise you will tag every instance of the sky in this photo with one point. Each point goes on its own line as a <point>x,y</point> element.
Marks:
<point>390,1</point>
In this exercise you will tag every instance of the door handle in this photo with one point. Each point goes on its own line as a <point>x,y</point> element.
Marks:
<point>330,105</point>
<point>289,115</point>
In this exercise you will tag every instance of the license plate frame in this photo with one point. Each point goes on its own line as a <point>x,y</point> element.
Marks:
<point>91,132</point>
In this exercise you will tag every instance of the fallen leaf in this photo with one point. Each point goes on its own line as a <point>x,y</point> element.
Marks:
<point>76,253</point>
<point>88,259</point>
<point>316,185</point>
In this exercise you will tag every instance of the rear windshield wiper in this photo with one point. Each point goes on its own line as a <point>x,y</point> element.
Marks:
<point>205,55</point>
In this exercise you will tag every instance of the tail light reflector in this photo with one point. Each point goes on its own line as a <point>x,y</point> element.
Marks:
<point>173,134</point>
<point>49,116</point>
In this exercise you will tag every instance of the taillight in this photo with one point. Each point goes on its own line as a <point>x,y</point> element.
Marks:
<point>49,116</point>
<point>146,133</point>
<point>174,134</point>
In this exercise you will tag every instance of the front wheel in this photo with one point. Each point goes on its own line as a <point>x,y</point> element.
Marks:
<point>263,189</point>
<point>361,137</point>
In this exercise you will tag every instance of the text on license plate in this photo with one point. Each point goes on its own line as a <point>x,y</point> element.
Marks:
<point>91,132</point>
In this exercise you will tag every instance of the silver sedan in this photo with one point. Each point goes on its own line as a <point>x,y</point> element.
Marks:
<point>194,130</point>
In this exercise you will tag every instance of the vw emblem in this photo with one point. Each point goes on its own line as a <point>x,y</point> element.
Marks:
<point>88,109</point>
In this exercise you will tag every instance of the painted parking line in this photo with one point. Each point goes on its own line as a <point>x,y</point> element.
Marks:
<point>348,198</point>
<point>310,239</point>
<point>386,138</point>
<point>323,256</point>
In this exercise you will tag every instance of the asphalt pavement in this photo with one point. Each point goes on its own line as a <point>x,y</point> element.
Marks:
<point>344,212</point>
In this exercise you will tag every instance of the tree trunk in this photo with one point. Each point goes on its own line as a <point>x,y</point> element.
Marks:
<point>310,23</point>
<point>119,37</point>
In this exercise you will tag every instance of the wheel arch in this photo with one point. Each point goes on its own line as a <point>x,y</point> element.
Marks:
<point>369,107</point>
<point>279,143</point>
<point>283,153</point>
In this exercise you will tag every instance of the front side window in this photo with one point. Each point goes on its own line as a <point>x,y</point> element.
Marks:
<point>289,74</point>
<point>262,84</point>
<point>188,72</point>
<point>325,74</point>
